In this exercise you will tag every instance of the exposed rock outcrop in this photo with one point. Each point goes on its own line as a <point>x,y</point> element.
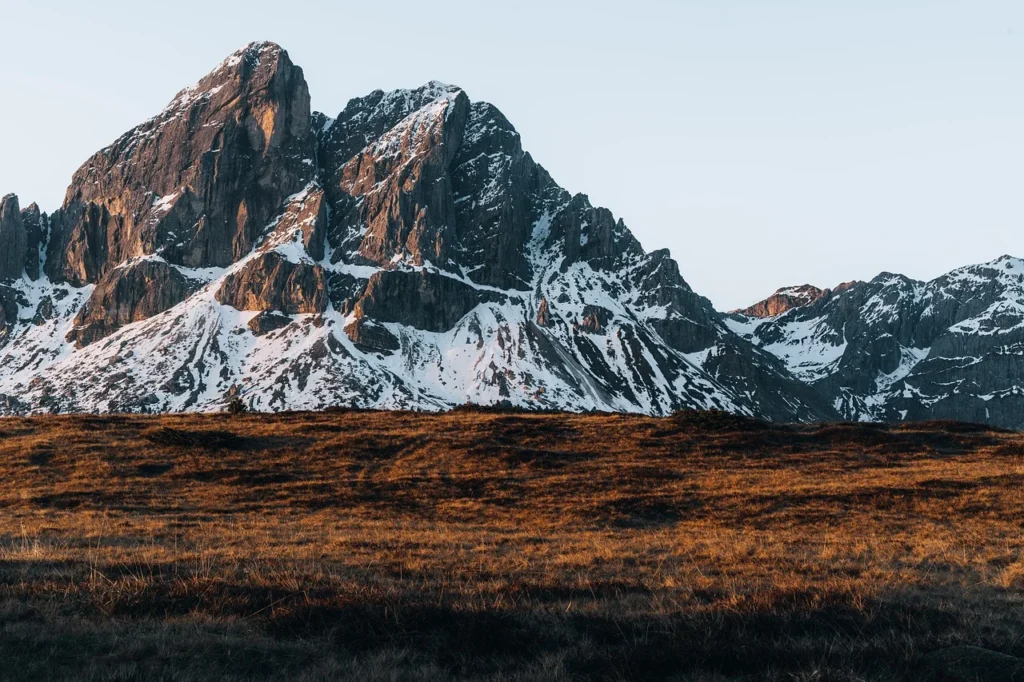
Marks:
<point>8,313</point>
<point>36,232</point>
<point>272,282</point>
<point>303,221</point>
<point>544,313</point>
<point>784,299</point>
<point>13,239</point>
<point>595,319</point>
<point>369,336</point>
<point>424,300</point>
<point>133,292</point>
<point>267,322</point>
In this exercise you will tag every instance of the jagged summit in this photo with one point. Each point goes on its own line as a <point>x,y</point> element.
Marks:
<point>405,253</point>
<point>782,300</point>
<point>254,51</point>
<point>895,348</point>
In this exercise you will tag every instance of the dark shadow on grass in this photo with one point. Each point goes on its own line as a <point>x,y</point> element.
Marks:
<point>593,630</point>
<point>219,439</point>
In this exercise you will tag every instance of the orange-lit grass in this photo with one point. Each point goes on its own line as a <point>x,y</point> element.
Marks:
<point>484,545</point>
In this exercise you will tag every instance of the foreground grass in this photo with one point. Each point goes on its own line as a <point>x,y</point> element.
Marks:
<point>488,546</point>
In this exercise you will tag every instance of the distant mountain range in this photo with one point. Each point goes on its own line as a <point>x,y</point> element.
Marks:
<point>896,349</point>
<point>408,253</point>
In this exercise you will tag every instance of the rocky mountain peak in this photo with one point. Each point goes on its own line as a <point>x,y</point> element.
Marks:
<point>782,300</point>
<point>195,185</point>
<point>366,119</point>
<point>256,65</point>
<point>199,181</point>
<point>410,253</point>
<point>256,54</point>
<point>787,298</point>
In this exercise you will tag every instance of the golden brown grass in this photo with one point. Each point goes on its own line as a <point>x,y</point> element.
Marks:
<point>493,546</point>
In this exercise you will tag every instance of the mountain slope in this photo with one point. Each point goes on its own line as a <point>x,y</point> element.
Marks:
<point>405,253</point>
<point>896,349</point>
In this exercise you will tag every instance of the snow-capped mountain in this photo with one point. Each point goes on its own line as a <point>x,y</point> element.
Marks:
<point>408,253</point>
<point>896,349</point>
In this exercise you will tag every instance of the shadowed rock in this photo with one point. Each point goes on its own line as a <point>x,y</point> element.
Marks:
<point>266,322</point>
<point>36,233</point>
<point>131,293</point>
<point>370,336</point>
<point>13,240</point>
<point>595,319</point>
<point>424,300</point>
<point>8,312</point>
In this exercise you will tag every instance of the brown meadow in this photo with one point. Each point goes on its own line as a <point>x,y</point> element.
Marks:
<point>502,546</point>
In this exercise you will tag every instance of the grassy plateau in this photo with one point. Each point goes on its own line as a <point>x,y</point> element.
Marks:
<point>484,545</point>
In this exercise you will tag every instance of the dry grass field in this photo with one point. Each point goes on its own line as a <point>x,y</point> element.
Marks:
<point>502,546</point>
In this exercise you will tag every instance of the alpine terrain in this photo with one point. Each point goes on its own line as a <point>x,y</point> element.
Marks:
<point>896,349</point>
<point>408,253</point>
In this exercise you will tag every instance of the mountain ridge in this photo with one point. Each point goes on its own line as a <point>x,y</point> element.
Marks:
<point>406,253</point>
<point>894,348</point>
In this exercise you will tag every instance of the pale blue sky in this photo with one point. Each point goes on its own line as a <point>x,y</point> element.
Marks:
<point>764,143</point>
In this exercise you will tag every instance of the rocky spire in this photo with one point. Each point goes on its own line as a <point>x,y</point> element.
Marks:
<point>13,239</point>
<point>36,232</point>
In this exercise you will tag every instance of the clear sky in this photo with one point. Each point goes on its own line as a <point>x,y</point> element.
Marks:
<point>764,143</point>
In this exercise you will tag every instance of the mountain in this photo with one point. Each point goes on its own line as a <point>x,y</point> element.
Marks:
<point>787,298</point>
<point>896,349</point>
<point>409,253</point>
<point>406,253</point>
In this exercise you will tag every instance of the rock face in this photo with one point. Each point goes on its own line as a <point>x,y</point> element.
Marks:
<point>198,183</point>
<point>8,313</point>
<point>408,253</point>
<point>36,231</point>
<point>272,282</point>
<point>267,322</point>
<point>13,239</point>
<point>422,300</point>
